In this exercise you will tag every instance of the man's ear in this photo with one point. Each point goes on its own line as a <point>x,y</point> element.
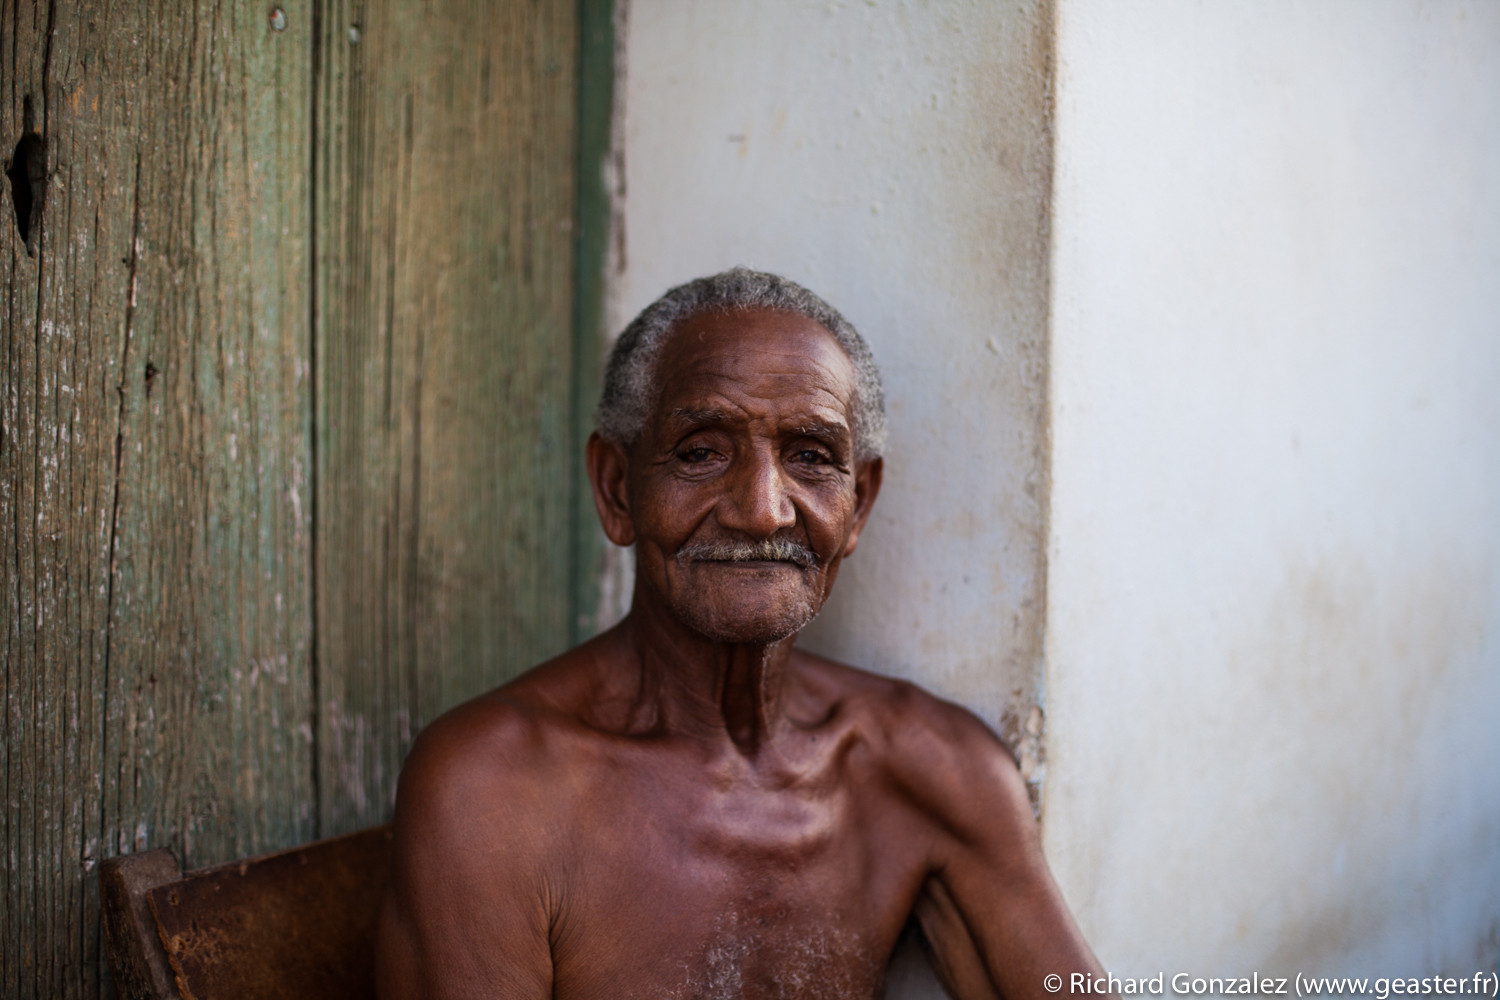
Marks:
<point>608,467</point>
<point>866,488</point>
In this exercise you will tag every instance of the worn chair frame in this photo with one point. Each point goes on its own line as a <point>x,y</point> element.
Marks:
<point>294,923</point>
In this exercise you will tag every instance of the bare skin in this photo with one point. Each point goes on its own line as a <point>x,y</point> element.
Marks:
<point>690,807</point>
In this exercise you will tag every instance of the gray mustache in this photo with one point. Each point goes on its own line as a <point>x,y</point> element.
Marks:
<point>768,550</point>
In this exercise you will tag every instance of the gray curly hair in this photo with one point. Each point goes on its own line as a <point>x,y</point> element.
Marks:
<point>630,388</point>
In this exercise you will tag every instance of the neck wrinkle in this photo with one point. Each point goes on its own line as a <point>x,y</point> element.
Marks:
<point>705,689</point>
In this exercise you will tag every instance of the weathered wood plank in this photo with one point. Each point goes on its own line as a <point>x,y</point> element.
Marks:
<point>158,470</point>
<point>210,622</point>
<point>153,458</point>
<point>54,463</point>
<point>596,107</point>
<point>447,135</point>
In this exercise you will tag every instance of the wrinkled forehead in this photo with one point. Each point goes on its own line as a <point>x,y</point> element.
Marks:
<point>755,356</point>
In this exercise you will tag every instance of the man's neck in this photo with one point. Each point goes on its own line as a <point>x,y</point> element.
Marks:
<point>695,686</point>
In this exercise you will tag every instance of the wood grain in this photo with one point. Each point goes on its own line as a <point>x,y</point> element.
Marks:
<point>444,364</point>
<point>288,404</point>
<point>154,462</point>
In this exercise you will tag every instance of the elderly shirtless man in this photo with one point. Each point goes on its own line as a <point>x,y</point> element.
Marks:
<point>688,806</point>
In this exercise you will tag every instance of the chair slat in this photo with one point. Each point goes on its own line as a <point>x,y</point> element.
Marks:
<point>297,924</point>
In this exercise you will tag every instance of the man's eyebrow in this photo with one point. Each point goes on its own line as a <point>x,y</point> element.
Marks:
<point>690,416</point>
<point>819,430</point>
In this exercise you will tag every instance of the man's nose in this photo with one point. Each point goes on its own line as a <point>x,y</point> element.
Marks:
<point>759,503</point>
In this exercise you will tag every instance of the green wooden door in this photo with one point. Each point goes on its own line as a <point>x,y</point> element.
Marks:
<point>289,414</point>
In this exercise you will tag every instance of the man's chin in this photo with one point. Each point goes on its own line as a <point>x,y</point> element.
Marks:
<point>745,625</point>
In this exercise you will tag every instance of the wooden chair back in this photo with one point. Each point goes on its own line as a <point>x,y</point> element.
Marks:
<point>297,923</point>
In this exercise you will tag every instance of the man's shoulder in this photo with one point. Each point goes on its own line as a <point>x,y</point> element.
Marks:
<point>508,744</point>
<point>912,719</point>
<point>484,737</point>
<point>940,753</point>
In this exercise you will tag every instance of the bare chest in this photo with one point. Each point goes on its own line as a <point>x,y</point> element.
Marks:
<point>738,893</point>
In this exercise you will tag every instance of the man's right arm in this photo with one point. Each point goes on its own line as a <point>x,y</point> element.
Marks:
<point>468,911</point>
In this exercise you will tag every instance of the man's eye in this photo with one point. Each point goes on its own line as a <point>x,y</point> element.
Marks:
<point>696,455</point>
<point>812,457</point>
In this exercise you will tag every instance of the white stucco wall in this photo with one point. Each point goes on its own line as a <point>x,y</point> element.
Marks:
<point>1273,680</point>
<point>1271,584</point>
<point>893,157</point>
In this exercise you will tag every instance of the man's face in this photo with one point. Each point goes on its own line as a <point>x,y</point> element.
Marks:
<point>743,491</point>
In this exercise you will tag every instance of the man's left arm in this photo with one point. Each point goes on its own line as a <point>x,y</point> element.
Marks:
<point>995,921</point>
